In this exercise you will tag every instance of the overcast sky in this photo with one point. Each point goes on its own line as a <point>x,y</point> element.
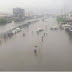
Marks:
<point>49,5</point>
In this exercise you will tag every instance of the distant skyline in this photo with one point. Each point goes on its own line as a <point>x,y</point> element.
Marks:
<point>51,6</point>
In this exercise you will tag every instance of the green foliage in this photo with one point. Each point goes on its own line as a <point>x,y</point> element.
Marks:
<point>4,21</point>
<point>60,19</point>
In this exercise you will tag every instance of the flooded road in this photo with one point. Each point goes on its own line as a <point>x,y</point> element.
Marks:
<point>54,51</point>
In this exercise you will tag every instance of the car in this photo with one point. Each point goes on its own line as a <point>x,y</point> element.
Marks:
<point>54,28</point>
<point>18,29</point>
<point>40,29</point>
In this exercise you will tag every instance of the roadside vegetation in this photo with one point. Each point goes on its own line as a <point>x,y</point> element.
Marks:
<point>4,21</point>
<point>60,19</point>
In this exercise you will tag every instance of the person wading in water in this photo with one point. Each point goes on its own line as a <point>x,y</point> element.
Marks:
<point>23,34</point>
<point>35,51</point>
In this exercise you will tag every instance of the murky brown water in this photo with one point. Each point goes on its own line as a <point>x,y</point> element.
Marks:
<point>53,53</point>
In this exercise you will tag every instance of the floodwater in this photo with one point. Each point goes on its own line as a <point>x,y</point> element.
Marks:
<point>54,49</point>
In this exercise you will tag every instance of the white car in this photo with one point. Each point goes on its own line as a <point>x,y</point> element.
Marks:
<point>40,29</point>
<point>18,29</point>
<point>54,28</point>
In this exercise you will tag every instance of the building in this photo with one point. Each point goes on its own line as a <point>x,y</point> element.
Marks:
<point>18,12</point>
<point>70,15</point>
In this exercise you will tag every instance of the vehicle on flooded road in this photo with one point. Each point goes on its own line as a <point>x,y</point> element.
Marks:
<point>40,29</point>
<point>16,30</point>
<point>54,28</point>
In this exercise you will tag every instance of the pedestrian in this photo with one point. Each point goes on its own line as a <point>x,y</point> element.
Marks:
<point>0,41</point>
<point>23,34</point>
<point>4,36</point>
<point>15,32</point>
<point>46,28</point>
<point>42,38</point>
<point>44,33</point>
<point>35,51</point>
